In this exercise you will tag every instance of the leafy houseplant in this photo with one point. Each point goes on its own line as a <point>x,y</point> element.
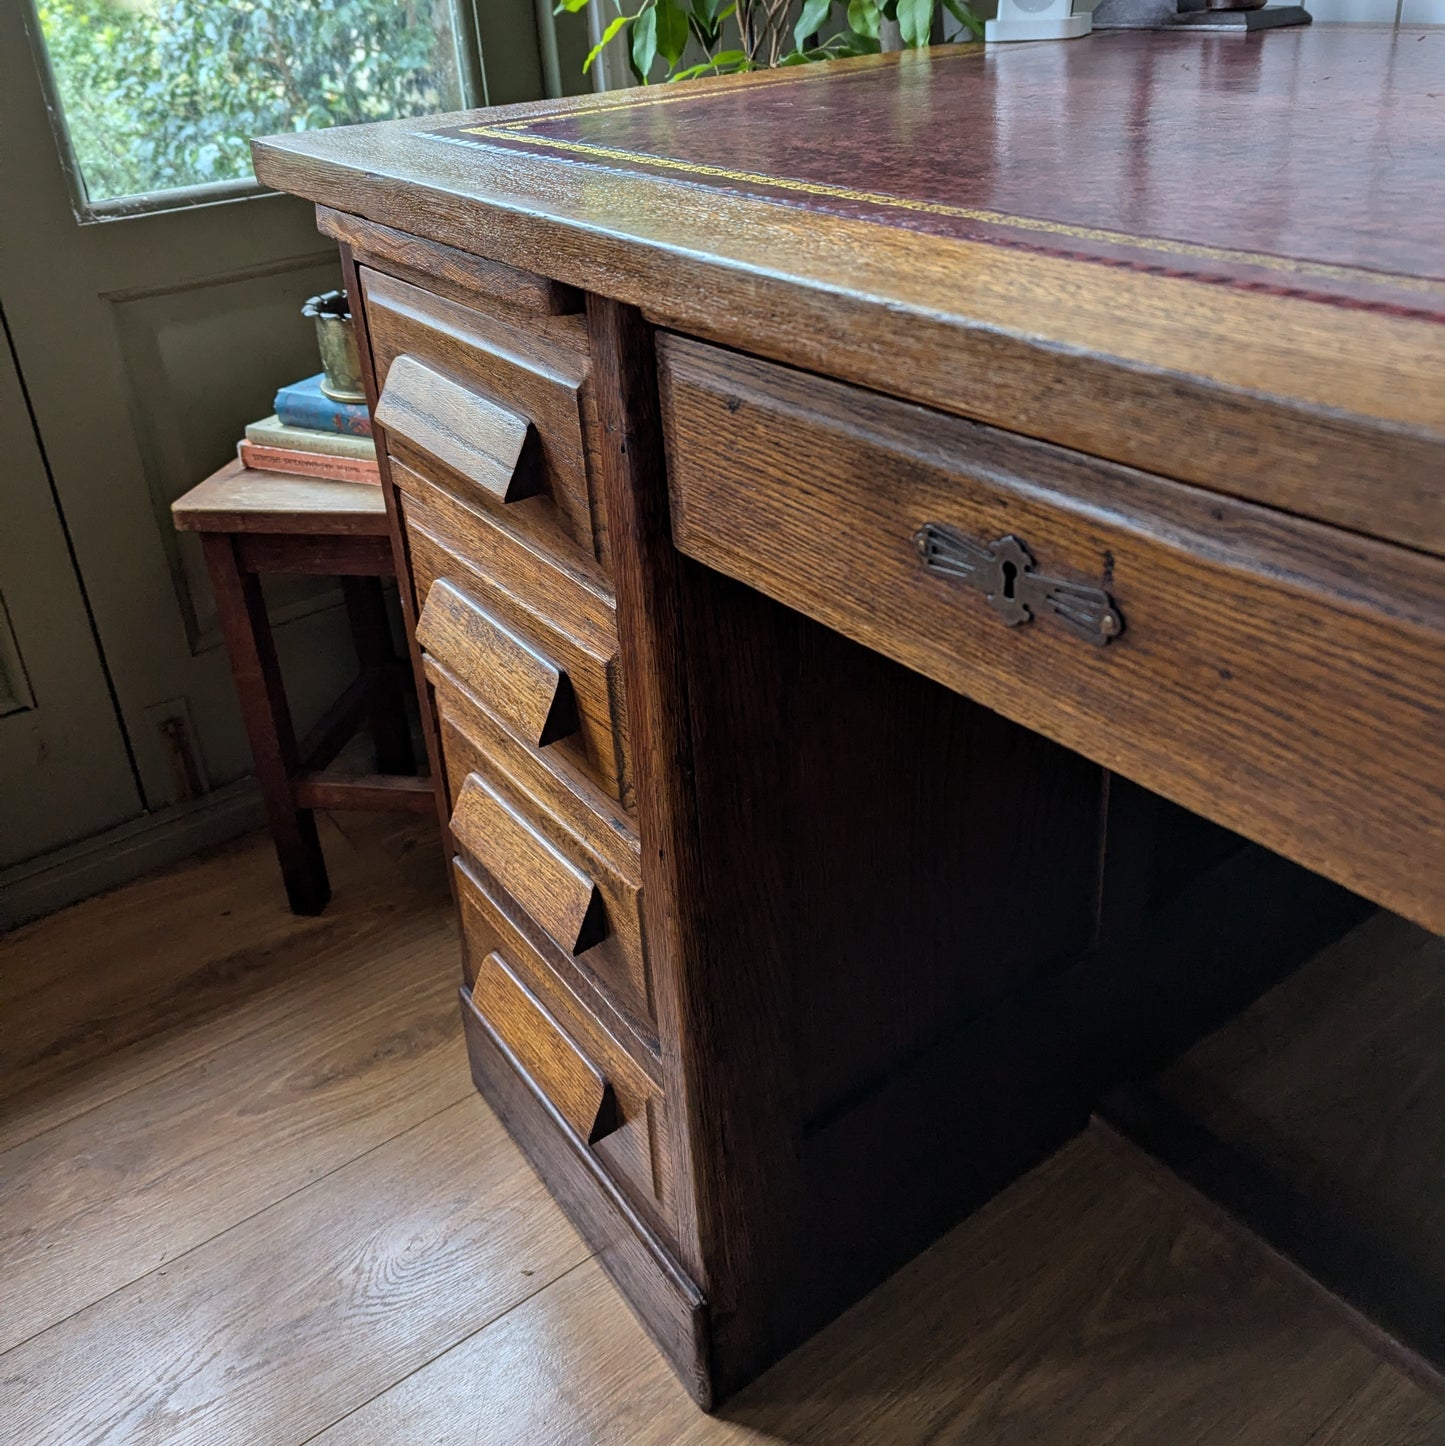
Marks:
<point>752,34</point>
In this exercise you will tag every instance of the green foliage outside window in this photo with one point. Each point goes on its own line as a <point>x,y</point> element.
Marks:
<point>722,37</point>
<point>166,93</point>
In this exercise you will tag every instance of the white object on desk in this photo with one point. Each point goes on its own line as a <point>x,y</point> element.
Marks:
<point>1036,20</point>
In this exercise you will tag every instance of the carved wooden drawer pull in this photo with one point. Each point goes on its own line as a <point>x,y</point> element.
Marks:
<point>555,1065</point>
<point>488,444</point>
<point>526,690</point>
<point>1004,572</point>
<point>542,879</point>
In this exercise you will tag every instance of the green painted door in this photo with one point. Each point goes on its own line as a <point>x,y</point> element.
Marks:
<point>152,294</point>
<point>63,765</point>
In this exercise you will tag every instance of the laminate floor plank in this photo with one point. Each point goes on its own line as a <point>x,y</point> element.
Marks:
<point>106,995</point>
<point>1085,1306</point>
<point>1334,1081</point>
<point>267,1334</point>
<point>250,1198</point>
<point>569,1366</point>
<point>1387,1411</point>
<point>343,1064</point>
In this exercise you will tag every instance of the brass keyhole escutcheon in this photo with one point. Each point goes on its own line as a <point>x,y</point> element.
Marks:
<point>1010,572</point>
<point>1004,573</point>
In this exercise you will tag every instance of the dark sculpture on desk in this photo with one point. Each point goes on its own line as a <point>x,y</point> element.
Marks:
<point>1206,15</point>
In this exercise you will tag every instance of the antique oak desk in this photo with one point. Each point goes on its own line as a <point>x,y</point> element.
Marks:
<point>871,531</point>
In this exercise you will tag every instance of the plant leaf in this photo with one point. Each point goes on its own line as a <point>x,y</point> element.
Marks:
<point>670,31</point>
<point>965,16</point>
<point>644,41</point>
<point>607,35</point>
<point>725,62</point>
<point>863,18</point>
<point>915,20</point>
<point>815,12</point>
<point>571,6</point>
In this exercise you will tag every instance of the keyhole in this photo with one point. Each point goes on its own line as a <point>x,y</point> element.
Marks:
<point>1010,572</point>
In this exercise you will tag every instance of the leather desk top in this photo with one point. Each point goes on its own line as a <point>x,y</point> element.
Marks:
<point>1286,167</point>
<point>1113,243</point>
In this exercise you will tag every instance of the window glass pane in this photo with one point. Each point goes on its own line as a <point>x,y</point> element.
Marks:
<point>161,94</point>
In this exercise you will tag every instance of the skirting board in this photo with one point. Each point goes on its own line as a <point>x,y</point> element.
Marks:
<point>153,841</point>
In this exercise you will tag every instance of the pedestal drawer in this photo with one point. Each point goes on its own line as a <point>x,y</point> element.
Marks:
<point>1280,677</point>
<point>589,911</point>
<point>497,411</point>
<point>474,742</point>
<point>536,648</point>
<point>614,1106</point>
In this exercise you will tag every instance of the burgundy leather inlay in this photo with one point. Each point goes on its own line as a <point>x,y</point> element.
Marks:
<point>1123,149</point>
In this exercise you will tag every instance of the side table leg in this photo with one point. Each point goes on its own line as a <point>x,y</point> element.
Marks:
<point>371,632</point>
<point>267,716</point>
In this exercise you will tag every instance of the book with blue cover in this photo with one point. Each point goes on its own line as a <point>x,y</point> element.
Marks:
<point>304,404</point>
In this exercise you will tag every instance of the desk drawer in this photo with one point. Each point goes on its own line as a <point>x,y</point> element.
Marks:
<point>537,650</point>
<point>474,742</point>
<point>589,911</point>
<point>493,410</point>
<point>1280,677</point>
<point>614,1106</point>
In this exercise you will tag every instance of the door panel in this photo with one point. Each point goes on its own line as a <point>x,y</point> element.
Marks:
<point>146,344</point>
<point>63,766</point>
<point>193,358</point>
<point>148,331</point>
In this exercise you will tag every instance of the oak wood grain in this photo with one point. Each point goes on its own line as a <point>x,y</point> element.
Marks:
<point>629,1248</point>
<point>1284,400</point>
<point>1284,679</point>
<point>613,974</point>
<point>480,743</point>
<point>1274,398</point>
<point>1133,1323</point>
<point>533,366</point>
<point>494,620</point>
<point>570,1080</point>
<point>237,499</point>
<point>558,894</point>
<point>442,264</point>
<point>122,1192</point>
<point>232,959</point>
<point>400,557</point>
<point>261,1336</point>
<point>486,444</point>
<point>524,686</point>
<point>586,906</point>
<point>632,483</point>
<point>573,588</point>
<point>634,1150</point>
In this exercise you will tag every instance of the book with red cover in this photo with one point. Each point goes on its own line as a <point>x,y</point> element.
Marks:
<point>309,464</point>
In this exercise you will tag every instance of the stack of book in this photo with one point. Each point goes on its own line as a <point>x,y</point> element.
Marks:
<point>313,436</point>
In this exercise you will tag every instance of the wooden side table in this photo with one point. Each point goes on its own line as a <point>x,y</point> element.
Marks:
<point>258,522</point>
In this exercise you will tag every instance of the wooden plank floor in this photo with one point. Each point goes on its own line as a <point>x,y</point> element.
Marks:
<point>247,1195</point>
